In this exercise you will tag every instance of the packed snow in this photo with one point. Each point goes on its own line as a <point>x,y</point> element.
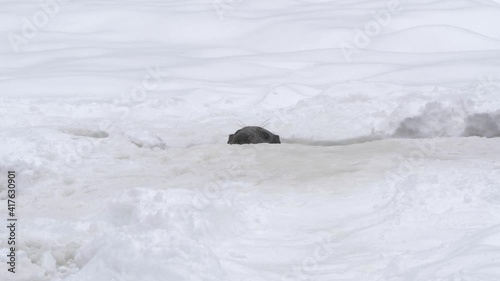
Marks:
<point>115,116</point>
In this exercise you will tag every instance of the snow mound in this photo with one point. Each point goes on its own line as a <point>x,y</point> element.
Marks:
<point>437,120</point>
<point>483,125</point>
<point>147,139</point>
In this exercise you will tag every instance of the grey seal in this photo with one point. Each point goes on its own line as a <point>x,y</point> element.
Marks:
<point>253,135</point>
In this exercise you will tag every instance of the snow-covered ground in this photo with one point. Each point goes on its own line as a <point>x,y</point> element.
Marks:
<point>115,116</point>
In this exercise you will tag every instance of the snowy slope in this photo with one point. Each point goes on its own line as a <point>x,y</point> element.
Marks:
<point>115,116</point>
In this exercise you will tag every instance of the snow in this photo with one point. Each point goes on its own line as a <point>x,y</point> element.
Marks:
<point>115,116</point>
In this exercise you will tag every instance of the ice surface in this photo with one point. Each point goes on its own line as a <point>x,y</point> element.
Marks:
<point>115,115</point>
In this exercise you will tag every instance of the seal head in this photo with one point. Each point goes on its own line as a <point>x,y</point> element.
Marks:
<point>253,135</point>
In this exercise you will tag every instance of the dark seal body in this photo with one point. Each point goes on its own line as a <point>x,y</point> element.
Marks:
<point>252,135</point>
